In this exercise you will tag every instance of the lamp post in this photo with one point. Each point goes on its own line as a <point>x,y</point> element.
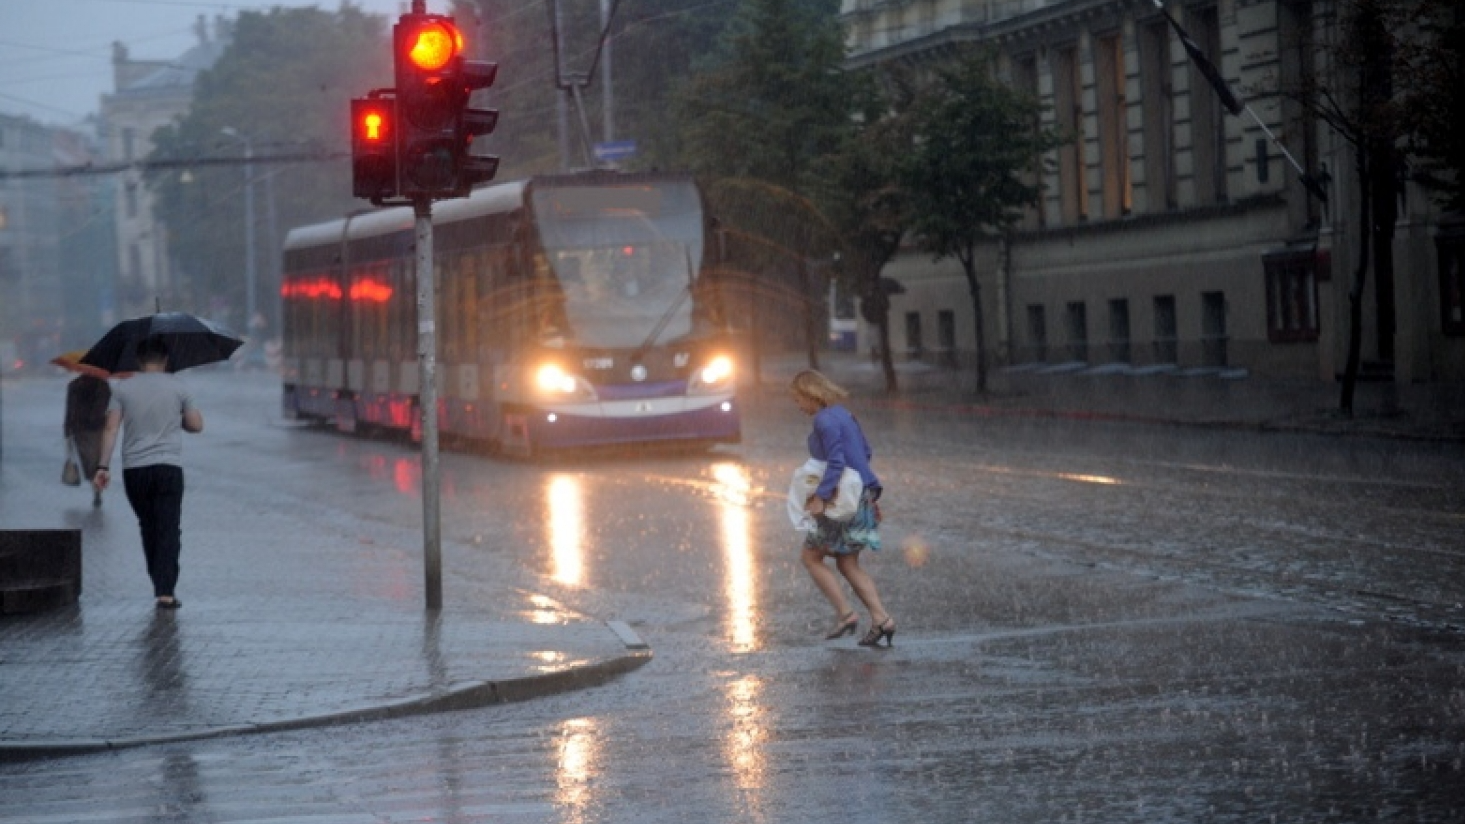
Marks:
<point>249,268</point>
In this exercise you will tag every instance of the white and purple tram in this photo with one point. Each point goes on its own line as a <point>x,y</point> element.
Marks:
<point>573,311</point>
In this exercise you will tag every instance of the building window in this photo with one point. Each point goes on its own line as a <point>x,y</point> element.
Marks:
<point>130,197</point>
<point>1452,282</point>
<point>1068,117</point>
<point>1037,333</point>
<point>1166,340</point>
<point>1291,295</point>
<point>1025,80</point>
<point>1078,331</point>
<point>1109,83</point>
<point>1213,328</point>
<point>1207,123</point>
<point>1119,330</point>
<point>134,261</point>
<point>913,346</point>
<point>1157,96</point>
<point>128,139</point>
<point>946,337</point>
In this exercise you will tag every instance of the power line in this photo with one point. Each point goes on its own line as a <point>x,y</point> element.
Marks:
<point>171,163</point>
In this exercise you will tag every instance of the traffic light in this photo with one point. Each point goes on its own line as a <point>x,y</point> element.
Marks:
<point>427,51</point>
<point>472,122</point>
<point>374,148</point>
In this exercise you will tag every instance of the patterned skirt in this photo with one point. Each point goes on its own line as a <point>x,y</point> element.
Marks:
<point>859,533</point>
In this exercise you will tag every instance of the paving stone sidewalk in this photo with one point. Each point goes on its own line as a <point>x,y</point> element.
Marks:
<point>286,623</point>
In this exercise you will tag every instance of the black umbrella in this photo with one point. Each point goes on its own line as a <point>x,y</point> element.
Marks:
<point>191,341</point>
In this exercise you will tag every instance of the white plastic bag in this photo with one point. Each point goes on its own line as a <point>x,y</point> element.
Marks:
<point>806,479</point>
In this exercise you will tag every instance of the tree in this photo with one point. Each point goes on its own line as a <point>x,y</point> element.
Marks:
<point>756,117</point>
<point>859,187</point>
<point>1397,71</point>
<point>975,143</point>
<point>1432,97</point>
<point>284,83</point>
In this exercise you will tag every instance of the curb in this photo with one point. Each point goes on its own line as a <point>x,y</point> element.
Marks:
<point>467,695</point>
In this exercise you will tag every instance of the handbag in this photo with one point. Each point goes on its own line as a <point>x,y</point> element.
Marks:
<point>842,507</point>
<point>70,472</point>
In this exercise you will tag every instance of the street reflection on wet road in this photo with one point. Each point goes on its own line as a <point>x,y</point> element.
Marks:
<point>564,499</point>
<point>740,572</point>
<point>578,751</point>
<point>747,737</point>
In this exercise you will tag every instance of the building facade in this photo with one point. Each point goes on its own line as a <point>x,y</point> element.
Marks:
<point>30,291</point>
<point>1172,233</point>
<point>147,95</point>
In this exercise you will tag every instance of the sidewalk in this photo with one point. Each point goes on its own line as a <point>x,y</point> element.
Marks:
<point>1230,399</point>
<point>294,624</point>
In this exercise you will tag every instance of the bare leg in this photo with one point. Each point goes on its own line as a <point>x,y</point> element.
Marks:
<point>826,580</point>
<point>863,585</point>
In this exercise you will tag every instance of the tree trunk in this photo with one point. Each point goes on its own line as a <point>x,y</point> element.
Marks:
<point>812,301</point>
<point>969,267</point>
<point>887,364</point>
<point>1355,292</point>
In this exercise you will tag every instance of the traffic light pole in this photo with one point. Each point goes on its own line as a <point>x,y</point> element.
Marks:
<point>427,381</point>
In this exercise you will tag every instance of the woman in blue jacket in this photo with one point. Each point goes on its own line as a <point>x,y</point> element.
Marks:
<point>838,440</point>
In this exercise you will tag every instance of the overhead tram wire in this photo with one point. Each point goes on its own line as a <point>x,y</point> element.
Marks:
<point>172,163</point>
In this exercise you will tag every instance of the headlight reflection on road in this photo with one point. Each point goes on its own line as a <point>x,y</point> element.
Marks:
<point>737,548</point>
<point>1090,479</point>
<point>565,499</point>
<point>745,747</point>
<point>579,747</point>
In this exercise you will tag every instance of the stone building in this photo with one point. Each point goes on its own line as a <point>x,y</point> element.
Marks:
<point>1172,234</point>
<point>30,292</point>
<point>148,94</point>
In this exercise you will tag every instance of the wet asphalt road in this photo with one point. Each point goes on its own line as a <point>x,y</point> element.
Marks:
<point>1097,622</point>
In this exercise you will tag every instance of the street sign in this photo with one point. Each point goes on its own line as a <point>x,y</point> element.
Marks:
<point>615,150</point>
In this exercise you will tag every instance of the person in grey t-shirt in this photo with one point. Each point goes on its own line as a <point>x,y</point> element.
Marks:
<point>153,409</point>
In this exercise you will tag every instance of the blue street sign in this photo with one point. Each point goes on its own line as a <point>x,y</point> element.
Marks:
<point>615,150</point>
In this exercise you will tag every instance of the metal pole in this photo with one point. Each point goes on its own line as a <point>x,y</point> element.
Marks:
<point>562,99</point>
<point>249,273</point>
<point>427,374</point>
<point>607,126</point>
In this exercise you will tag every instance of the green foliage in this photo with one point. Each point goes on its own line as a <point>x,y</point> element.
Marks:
<point>859,184</point>
<point>771,99</point>
<point>284,82</point>
<point>1432,97</point>
<point>976,146</point>
<point>976,140</point>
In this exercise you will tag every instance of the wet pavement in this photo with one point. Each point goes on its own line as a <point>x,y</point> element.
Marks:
<point>290,619</point>
<point>299,618</point>
<point>1099,621</point>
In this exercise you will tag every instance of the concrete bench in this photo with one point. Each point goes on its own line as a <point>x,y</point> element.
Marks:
<point>39,569</point>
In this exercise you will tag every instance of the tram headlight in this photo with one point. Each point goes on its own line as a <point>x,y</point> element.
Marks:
<point>551,379</point>
<point>715,375</point>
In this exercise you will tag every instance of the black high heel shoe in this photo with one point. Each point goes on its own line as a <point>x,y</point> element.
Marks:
<point>846,626</point>
<point>885,629</point>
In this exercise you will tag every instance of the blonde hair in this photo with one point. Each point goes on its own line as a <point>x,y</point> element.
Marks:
<point>813,385</point>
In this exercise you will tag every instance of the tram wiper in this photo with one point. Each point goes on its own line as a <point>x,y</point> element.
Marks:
<point>666,316</point>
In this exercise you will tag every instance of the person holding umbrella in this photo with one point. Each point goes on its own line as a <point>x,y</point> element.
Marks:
<point>152,409</point>
<point>87,398</point>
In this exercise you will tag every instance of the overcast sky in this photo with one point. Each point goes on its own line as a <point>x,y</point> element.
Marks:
<point>56,55</point>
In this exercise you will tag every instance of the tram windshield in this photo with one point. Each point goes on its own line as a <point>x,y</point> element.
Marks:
<point>626,257</point>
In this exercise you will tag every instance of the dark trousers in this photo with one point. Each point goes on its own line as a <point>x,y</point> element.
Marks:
<point>156,495</point>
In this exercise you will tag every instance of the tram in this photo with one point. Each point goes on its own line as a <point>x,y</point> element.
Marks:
<point>572,311</point>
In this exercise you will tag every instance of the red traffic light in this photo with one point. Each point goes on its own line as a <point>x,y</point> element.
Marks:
<point>373,122</point>
<point>374,148</point>
<point>431,42</point>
